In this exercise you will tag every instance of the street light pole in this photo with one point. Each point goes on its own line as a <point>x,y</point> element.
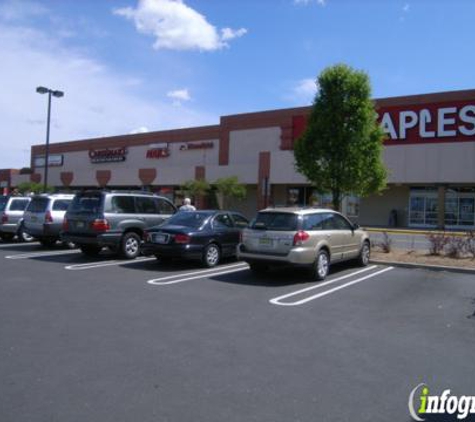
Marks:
<point>58,94</point>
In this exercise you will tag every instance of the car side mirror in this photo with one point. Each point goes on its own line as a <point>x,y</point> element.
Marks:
<point>356,226</point>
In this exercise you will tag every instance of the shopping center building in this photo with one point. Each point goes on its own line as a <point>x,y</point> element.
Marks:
<point>429,153</point>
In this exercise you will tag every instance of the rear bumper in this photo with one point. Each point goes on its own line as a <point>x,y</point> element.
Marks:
<point>43,231</point>
<point>103,239</point>
<point>175,251</point>
<point>9,228</point>
<point>296,256</point>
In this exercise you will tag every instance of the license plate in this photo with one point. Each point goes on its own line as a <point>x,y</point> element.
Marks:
<point>266,242</point>
<point>160,238</point>
<point>80,224</point>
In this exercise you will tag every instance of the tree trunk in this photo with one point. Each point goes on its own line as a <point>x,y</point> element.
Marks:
<point>336,200</point>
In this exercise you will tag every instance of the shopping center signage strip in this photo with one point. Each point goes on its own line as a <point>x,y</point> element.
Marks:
<point>108,155</point>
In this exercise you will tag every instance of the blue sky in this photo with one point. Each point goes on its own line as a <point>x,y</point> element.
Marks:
<point>131,66</point>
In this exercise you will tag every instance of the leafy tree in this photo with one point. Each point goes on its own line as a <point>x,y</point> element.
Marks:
<point>340,151</point>
<point>227,188</point>
<point>195,188</point>
<point>27,187</point>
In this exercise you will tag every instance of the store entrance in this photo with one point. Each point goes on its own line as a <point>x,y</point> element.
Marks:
<point>423,207</point>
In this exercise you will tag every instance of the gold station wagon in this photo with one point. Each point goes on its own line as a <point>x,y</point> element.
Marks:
<point>310,237</point>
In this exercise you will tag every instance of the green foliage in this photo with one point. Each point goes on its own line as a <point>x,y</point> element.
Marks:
<point>340,151</point>
<point>227,188</point>
<point>27,187</point>
<point>195,187</point>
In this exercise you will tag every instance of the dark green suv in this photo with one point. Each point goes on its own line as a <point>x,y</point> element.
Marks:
<point>117,220</point>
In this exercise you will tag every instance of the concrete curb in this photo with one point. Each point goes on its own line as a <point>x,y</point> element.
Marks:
<point>461,270</point>
<point>422,232</point>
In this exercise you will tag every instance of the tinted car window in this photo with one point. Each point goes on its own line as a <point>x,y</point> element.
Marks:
<point>18,204</point>
<point>339,223</point>
<point>222,221</point>
<point>164,207</point>
<point>313,222</point>
<point>327,221</point>
<point>188,219</point>
<point>86,203</point>
<point>146,205</point>
<point>276,221</point>
<point>240,221</point>
<point>61,204</point>
<point>123,204</point>
<point>3,202</point>
<point>38,205</point>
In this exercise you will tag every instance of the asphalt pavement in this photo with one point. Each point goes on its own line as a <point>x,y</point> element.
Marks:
<point>111,340</point>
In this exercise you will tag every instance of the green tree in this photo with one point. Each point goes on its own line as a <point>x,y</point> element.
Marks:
<point>27,187</point>
<point>340,151</point>
<point>227,188</point>
<point>195,188</point>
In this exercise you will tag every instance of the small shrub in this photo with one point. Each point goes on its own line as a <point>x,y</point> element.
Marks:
<point>470,243</point>
<point>386,243</point>
<point>455,246</point>
<point>437,243</point>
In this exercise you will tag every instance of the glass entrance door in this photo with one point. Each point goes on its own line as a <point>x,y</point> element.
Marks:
<point>423,207</point>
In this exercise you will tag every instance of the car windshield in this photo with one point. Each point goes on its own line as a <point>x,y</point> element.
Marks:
<point>190,219</point>
<point>86,203</point>
<point>3,202</point>
<point>279,221</point>
<point>38,205</point>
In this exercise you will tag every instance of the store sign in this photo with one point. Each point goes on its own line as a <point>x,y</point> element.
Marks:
<point>54,160</point>
<point>429,123</point>
<point>158,151</point>
<point>196,145</point>
<point>107,155</point>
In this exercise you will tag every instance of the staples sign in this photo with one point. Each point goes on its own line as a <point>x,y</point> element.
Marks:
<point>429,123</point>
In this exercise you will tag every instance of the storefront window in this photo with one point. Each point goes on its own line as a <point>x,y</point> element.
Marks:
<point>460,208</point>
<point>423,207</point>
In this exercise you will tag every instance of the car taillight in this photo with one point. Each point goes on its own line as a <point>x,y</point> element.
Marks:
<point>48,218</point>
<point>100,225</point>
<point>182,238</point>
<point>4,218</point>
<point>65,225</point>
<point>300,237</point>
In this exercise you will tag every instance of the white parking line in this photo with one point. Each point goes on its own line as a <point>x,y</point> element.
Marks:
<point>198,274</point>
<point>39,254</point>
<point>278,300</point>
<point>90,265</point>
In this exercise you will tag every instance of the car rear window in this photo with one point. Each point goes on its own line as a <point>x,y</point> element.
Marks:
<point>190,219</point>
<point>3,202</point>
<point>86,203</point>
<point>38,205</point>
<point>61,204</point>
<point>279,221</point>
<point>19,204</point>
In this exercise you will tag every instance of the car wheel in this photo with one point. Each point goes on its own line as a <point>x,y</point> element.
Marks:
<point>211,255</point>
<point>6,237</point>
<point>23,236</point>
<point>48,243</point>
<point>258,269</point>
<point>321,267</point>
<point>69,245</point>
<point>365,253</point>
<point>130,245</point>
<point>90,250</point>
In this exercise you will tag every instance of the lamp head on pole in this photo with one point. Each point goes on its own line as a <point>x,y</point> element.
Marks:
<point>42,90</point>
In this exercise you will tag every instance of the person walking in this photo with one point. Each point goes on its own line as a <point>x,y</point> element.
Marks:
<point>187,205</point>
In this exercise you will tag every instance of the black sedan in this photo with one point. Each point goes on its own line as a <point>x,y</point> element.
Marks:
<point>207,236</point>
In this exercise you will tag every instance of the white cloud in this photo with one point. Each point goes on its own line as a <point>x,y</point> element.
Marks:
<point>303,91</point>
<point>14,10</point>
<point>305,2</point>
<point>97,101</point>
<point>142,129</point>
<point>179,95</point>
<point>177,26</point>
<point>406,8</point>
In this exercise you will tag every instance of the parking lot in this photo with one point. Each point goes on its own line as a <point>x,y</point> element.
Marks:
<point>105,339</point>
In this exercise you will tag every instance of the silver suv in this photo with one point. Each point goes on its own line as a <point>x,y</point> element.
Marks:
<point>114,219</point>
<point>43,218</point>
<point>308,237</point>
<point>12,209</point>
